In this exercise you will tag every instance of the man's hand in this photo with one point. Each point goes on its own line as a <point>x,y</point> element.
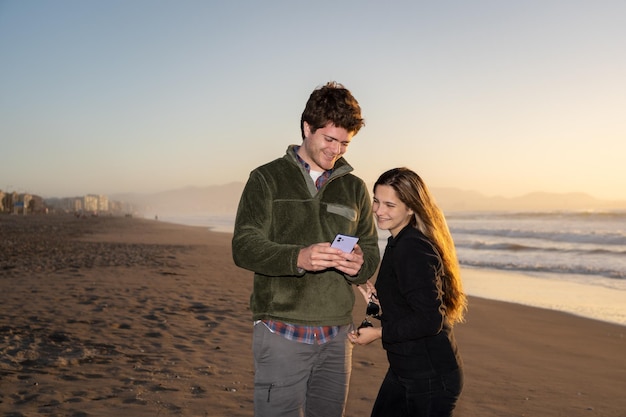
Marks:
<point>321,256</point>
<point>352,262</point>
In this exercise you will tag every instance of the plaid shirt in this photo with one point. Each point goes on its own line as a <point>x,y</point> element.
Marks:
<point>295,332</point>
<point>302,334</point>
<point>323,179</point>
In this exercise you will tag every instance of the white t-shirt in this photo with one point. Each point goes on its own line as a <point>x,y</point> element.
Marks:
<point>315,175</point>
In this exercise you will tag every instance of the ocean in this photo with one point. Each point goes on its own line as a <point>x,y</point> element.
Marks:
<point>588,247</point>
<point>568,261</point>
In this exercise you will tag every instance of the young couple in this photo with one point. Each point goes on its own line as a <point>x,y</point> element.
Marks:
<point>302,299</point>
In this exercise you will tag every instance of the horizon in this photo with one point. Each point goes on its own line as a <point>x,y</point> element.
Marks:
<point>224,198</point>
<point>503,99</point>
<point>187,187</point>
<point>242,183</point>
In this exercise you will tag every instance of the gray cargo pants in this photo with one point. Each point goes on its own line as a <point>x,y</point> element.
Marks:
<point>295,379</point>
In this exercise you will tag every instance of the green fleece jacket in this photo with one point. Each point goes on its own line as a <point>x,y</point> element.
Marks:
<point>281,212</point>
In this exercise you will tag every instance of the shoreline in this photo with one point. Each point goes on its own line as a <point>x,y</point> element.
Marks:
<point>593,301</point>
<point>584,300</point>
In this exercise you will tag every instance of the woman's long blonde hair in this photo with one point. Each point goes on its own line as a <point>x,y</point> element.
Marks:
<point>429,219</point>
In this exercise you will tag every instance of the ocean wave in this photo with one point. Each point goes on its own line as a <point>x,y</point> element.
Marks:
<point>601,238</point>
<point>517,247</point>
<point>608,215</point>
<point>561,269</point>
<point>514,247</point>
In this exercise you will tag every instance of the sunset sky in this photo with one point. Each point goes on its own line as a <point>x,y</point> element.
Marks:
<point>499,97</point>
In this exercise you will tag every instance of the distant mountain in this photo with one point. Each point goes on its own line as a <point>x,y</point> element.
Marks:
<point>223,199</point>
<point>451,199</point>
<point>215,199</point>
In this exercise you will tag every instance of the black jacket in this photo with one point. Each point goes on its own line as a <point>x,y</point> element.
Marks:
<point>418,340</point>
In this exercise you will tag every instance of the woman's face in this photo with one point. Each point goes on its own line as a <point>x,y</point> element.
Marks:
<point>391,213</point>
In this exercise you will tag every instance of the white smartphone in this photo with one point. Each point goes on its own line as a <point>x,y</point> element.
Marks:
<point>344,242</point>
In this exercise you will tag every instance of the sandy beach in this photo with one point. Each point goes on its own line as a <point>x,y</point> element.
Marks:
<point>114,316</point>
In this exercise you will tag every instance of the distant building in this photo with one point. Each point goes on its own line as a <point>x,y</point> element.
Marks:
<point>36,205</point>
<point>90,203</point>
<point>116,206</point>
<point>103,203</point>
<point>18,203</point>
<point>75,204</point>
<point>8,200</point>
<point>65,204</point>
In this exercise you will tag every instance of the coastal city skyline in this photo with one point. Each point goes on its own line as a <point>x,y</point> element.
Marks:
<point>142,97</point>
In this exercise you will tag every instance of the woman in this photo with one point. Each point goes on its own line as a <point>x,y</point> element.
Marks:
<point>420,293</point>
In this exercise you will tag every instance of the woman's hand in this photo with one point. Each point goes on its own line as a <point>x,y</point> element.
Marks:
<point>369,292</point>
<point>365,335</point>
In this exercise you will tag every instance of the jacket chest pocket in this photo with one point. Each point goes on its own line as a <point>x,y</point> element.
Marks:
<point>348,212</point>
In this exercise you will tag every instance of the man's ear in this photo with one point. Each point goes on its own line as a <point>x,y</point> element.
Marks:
<point>307,129</point>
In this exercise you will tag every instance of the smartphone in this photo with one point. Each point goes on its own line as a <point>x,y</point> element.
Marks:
<point>344,242</point>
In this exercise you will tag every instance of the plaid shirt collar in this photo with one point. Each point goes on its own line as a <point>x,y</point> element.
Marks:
<point>323,179</point>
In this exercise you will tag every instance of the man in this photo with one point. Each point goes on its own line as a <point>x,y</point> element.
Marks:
<point>302,300</point>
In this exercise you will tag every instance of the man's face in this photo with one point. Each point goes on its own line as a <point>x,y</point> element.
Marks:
<point>324,147</point>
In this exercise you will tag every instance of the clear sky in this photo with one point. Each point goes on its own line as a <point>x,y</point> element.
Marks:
<point>500,97</point>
